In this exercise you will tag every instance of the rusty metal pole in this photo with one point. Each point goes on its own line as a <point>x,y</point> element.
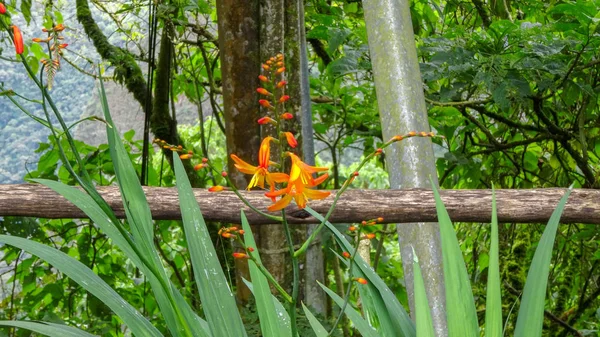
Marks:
<point>411,162</point>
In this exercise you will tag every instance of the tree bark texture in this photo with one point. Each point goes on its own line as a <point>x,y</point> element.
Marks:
<point>410,163</point>
<point>404,206</point>
<point>239,46</point>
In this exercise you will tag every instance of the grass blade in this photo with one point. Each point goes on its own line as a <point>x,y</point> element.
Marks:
<point>269,320</point>
<point>493,304</point>
<point>48,329</point>
<point>359,322</point>
<point>318,329</point>
<point>91,282</point>
<point>531,311</point>
<point>219,303</point>
<point>460,306</point>
<point>391,315</point>
<point>424,322</point>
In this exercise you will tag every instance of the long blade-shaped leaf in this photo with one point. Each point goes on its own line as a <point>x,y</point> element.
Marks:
<point>318,329</point>
<point>531,312</point>
<point>267,315</point>
<point>359,322</point>
<point>460,306</point>
<point>91,282</point>
<point>392,317</point>
<point>422,313</point>
<point>284,317</point>
<point>48,329</point>
<point>219,303</point>
<point>140,221</point>
<point>493,303</point>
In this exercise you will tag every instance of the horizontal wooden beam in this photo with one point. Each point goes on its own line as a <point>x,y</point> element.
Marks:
<point>395,206</point>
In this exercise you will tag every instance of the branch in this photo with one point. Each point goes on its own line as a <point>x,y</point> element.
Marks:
<point>403,206</point>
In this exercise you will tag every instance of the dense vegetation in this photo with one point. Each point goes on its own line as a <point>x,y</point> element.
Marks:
<point>512,85</point>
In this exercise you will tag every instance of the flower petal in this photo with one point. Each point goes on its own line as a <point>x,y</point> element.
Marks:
<point>242,166</point>
<point>281,204</point>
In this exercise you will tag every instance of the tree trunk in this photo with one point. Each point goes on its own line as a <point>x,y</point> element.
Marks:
<point>238,24</point>
<point>411,162</point>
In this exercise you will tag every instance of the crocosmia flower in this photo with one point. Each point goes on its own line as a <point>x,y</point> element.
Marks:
<point>261,172</point>
<point>299,183</point>
<point>18,38</point>
<point>292,142</point>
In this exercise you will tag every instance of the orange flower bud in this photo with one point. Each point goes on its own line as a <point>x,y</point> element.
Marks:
<point>228,235</point>
<point>287,115</point>
<point>205,160</point>
<point>240,255</point>
<point>269,62</point>
<point>263,78</point>
<point>423,134</point>
<point>198,167</point>
<point>380,219</point>
<point>281,84</point>
<point>265,120</point>
<point>363,223</point>
<point>279,56</point>
<point>352,228</point>
<point>223,174</point>
<point>355,174</point>
<point>241,231</point>
<point>412,133</point>
<point>284,98</point>
<point>63,45</point>
<point>263,91</point>
<point>361,280</point>
<point>265,103</point>
<point>346,255</point>
<point>378,151</point>
<point>292,142</point>
<point>370,236</point>
<point>250,249</point>
<point>397,138</point>
<point>2,8</point>
<point>217,188</point>
<point>431,134</point>
<point>59,28</point>
<point>18,39</point>
<point>36,39</point>
<point>280,70</point>
<point>279,64</point>
<point>165,146</point>
<point>185,156</point>
<point>266,67</point>
<point>44,30</point>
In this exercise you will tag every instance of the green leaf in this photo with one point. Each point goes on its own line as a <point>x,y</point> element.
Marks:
<point>284,317</point>
<point>359,322</point>
<point>378,298</point>
<point>460,306</point>
<point>48,329</point>
<point>424,322</point>
<point>318,329</point>
<point>531,312</point>
<point>493,304</point>
<point>218,302</point>
<point>91,282</point>
<point>268,317</point>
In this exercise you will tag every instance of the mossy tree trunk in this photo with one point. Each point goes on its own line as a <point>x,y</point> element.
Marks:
<point>128,73</point>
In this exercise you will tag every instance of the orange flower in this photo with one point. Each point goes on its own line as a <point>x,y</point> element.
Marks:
<point>346,255</point>
<point>265,103</point>
<point>263,91</point>
<point>284,98</point>
<point>292,142</point>
<point>217,188</point>
<point>18,38</point>
<point>280,70</point>
<point>240,256</point>
<point>287,115</point>
<point>263,78</point>
<point>360,280</point>
<point>265,120</point>
<point>304,172</point>
<point>261,172</point>
<point>59,28</point>
<point>300,180</point>
<point>2,8</point>
<point>281,84</point>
